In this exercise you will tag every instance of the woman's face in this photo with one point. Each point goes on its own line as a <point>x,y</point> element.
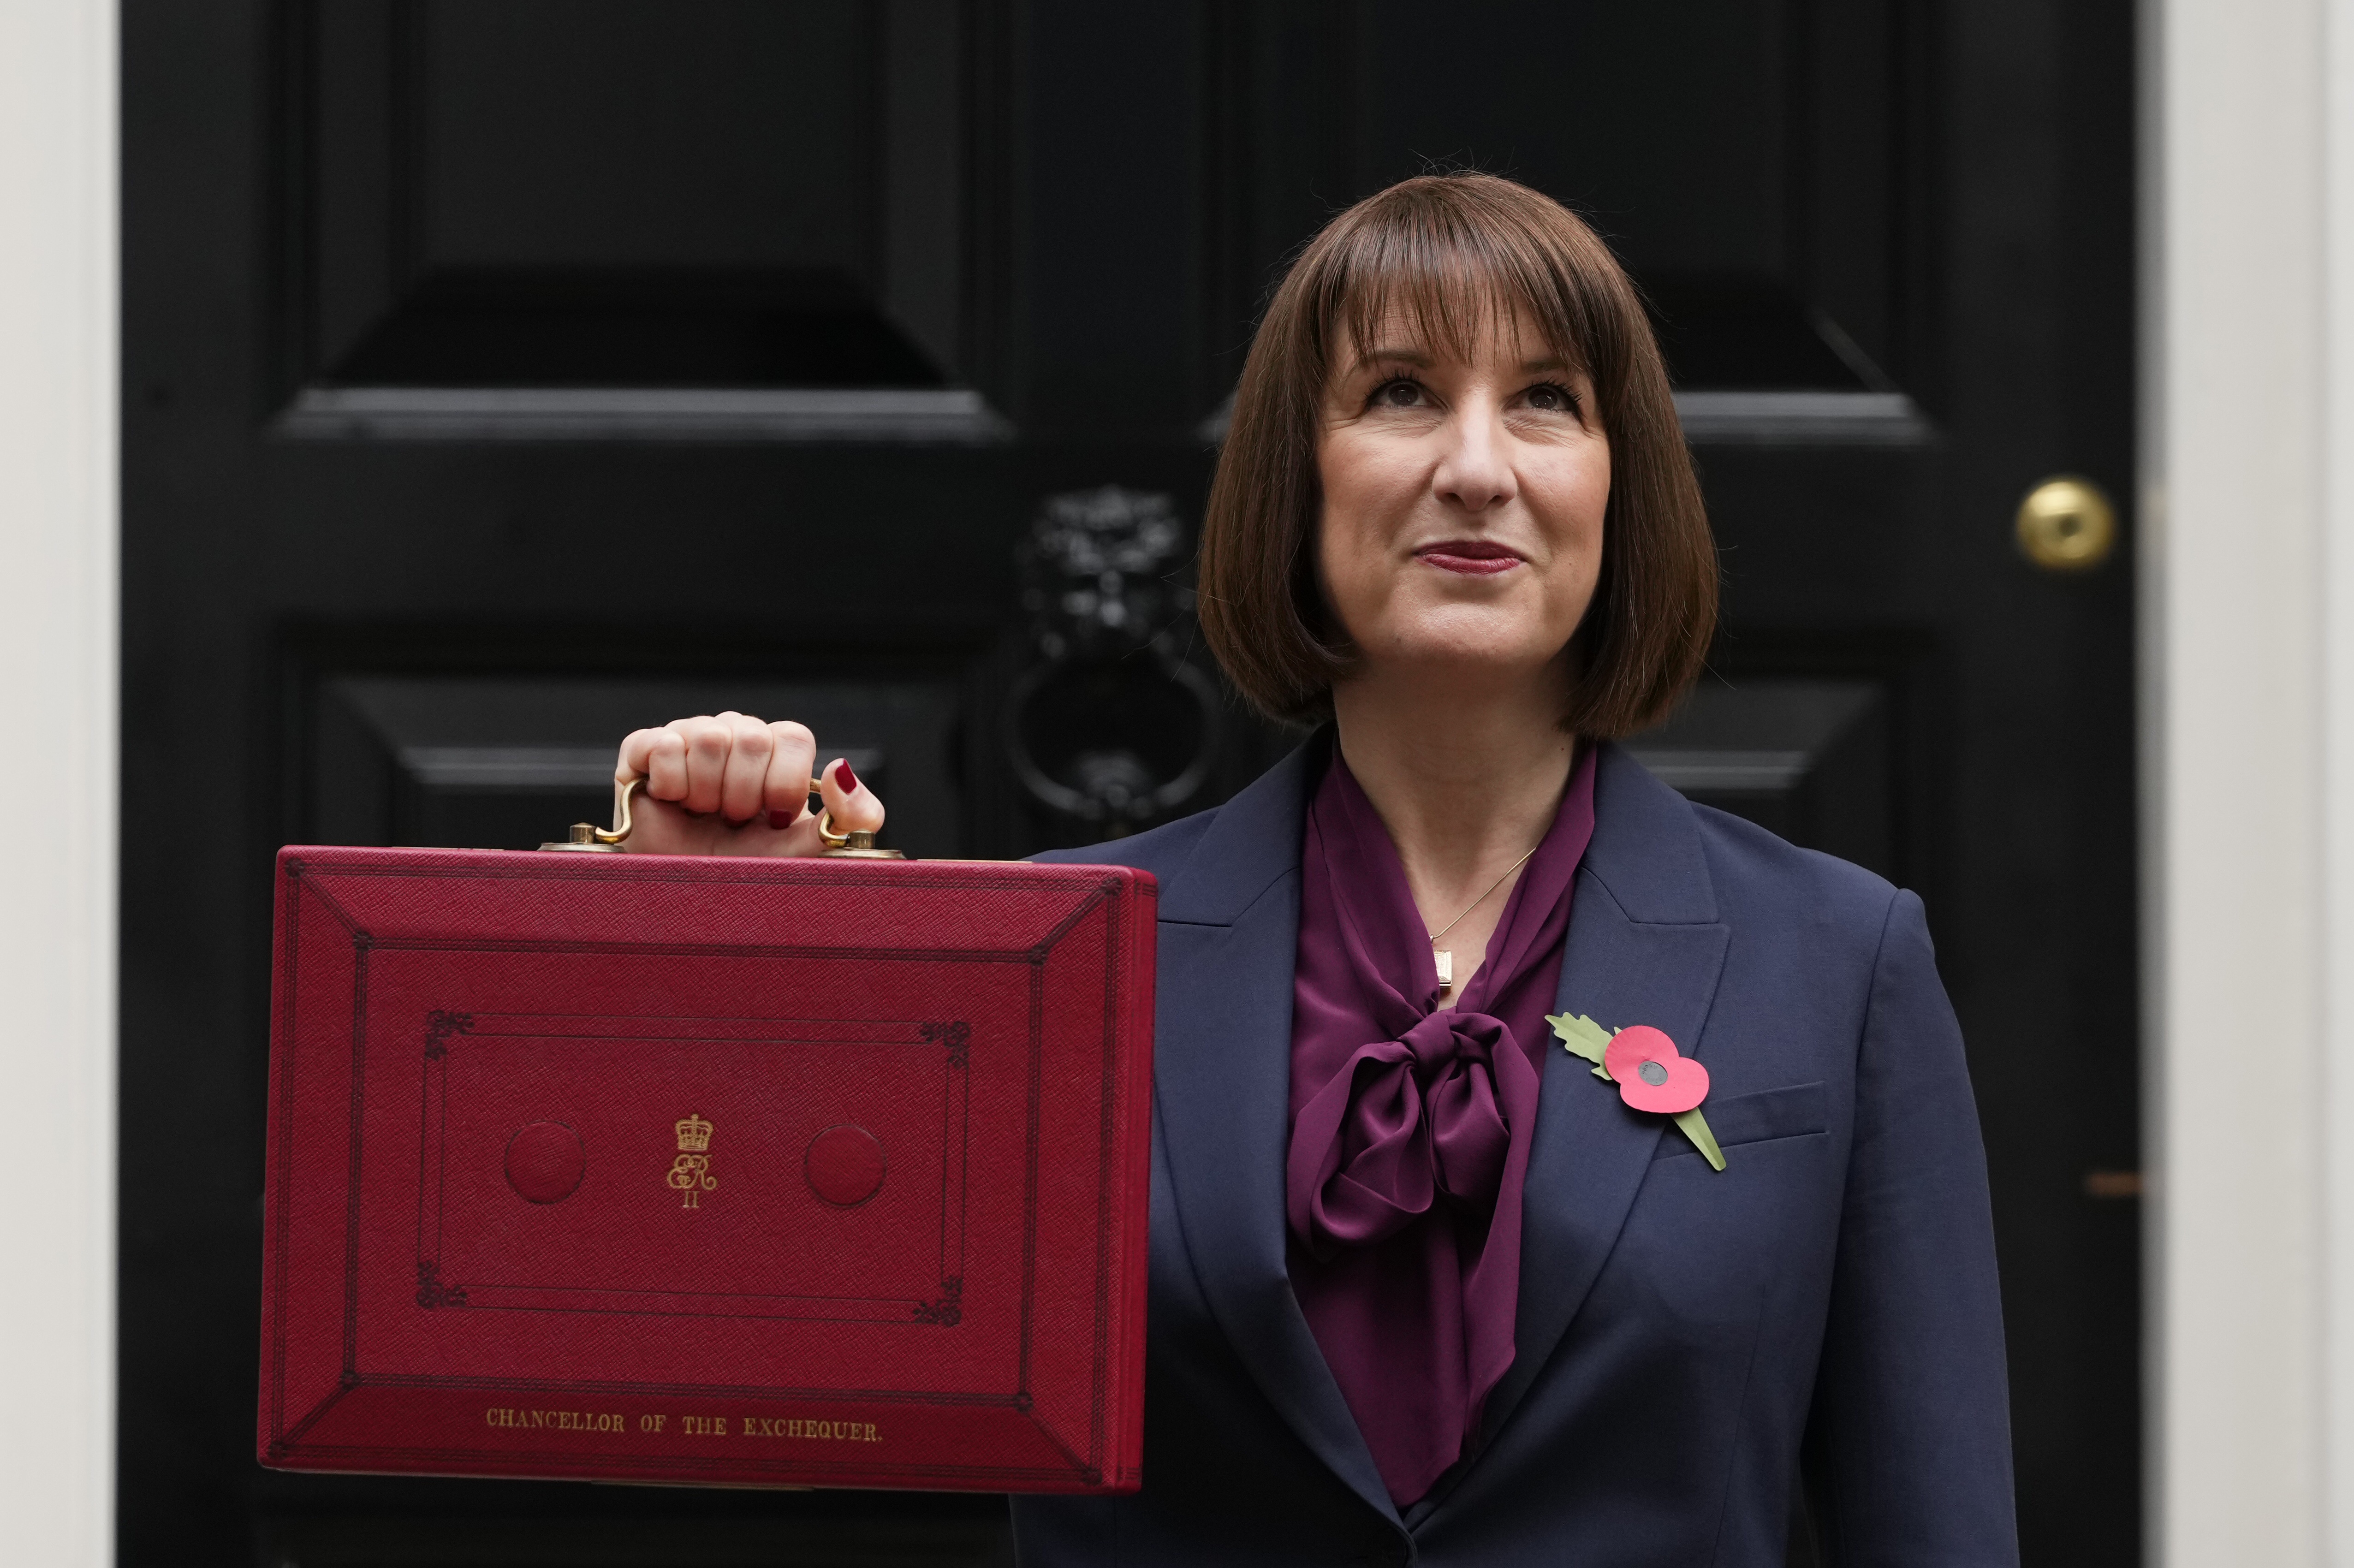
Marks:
<point>1463,503</point>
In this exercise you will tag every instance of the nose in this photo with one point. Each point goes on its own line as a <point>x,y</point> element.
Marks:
<point>1475,473</point>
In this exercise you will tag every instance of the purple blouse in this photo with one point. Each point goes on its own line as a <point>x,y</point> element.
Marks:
<point>1410,1126</point>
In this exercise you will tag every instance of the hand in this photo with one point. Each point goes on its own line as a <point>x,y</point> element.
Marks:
<point>728,784</point>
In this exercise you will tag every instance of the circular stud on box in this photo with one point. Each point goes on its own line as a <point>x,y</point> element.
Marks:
<point>545,1161</point>
<point>845,1165</point>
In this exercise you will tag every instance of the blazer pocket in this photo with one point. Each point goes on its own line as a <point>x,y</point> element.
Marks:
<point>1795,1112</point>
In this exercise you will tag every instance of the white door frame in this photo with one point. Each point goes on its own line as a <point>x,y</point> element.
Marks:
<point>2247,700</point>
<point>58,682</point>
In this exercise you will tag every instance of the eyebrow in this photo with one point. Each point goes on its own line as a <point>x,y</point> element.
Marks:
<point>1398,355</point>
<point>1414,356</point>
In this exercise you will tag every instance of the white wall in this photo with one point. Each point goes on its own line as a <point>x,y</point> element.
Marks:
<point>57,714</point>
<point>2248,634</point>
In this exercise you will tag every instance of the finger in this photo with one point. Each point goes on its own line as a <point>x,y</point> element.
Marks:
<point>792,752</point>
<point>706,761</point>
<point>854,806</point>
<point>744,784</point>
<point>666,765</point>
<point>636,758</point>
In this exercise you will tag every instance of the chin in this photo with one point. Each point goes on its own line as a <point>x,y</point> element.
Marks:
<point>1505,638</point>
<point>1463,654</point>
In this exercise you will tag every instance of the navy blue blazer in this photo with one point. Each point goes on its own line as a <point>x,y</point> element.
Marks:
<point>1683,1334</point>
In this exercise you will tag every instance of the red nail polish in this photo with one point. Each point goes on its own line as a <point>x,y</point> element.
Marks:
<point>781,819</point>
<point>844,779</point>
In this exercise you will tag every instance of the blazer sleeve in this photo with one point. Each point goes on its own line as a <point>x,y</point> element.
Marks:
<point>1909,1441</point>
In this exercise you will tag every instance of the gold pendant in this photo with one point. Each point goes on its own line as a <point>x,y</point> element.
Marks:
<point>1444,963</point>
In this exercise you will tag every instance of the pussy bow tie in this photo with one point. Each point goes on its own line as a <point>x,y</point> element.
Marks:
<point>1430,1112</point>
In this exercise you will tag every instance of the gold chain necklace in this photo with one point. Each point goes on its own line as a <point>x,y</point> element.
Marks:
<point>1443,961</point>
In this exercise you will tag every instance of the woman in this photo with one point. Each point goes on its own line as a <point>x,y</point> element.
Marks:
<point>1426,1285</point>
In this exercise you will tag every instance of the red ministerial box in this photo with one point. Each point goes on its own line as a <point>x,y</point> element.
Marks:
<point>669,1168</point>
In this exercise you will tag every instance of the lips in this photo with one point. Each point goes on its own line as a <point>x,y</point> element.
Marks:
<point>1471,557</point>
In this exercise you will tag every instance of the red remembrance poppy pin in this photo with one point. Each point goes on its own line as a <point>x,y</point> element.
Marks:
<point>1651,1073</point>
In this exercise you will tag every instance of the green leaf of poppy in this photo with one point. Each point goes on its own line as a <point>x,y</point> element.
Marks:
<point>1695,1128</point>
<point>1583,1037</point>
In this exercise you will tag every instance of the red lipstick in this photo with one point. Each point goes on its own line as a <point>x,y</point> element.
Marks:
<point>1472,557</point>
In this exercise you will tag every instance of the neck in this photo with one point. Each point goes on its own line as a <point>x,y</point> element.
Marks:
<point>1465,782</point>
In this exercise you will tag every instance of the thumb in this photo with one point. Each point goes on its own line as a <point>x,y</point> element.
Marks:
<point>854,807</point>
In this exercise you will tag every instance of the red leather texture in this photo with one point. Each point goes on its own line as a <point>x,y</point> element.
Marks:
<point>671,1169</point>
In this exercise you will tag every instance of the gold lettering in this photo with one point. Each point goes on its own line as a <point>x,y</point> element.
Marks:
<point>507,1416</point>
<point>793,1428</point>
<point>784,1428</point>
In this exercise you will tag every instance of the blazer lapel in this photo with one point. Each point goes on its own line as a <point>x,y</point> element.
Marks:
<point>1645,946</point>
<point>1222,1065</point>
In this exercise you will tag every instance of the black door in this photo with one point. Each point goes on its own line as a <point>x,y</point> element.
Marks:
<point>502,375</point>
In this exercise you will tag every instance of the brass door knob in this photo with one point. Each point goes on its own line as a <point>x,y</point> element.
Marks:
<point>2067,525</point>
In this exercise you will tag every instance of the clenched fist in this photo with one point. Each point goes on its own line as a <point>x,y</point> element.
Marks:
<point>729,784</point>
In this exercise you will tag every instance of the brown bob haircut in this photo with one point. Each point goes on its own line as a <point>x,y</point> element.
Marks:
<point>1457,254</point>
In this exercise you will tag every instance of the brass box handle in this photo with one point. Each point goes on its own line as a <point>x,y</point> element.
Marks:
<point>858,844</point>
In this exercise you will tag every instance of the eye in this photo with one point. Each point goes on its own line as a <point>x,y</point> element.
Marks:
<point>1402,392</point>
<point>1551,397</point>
